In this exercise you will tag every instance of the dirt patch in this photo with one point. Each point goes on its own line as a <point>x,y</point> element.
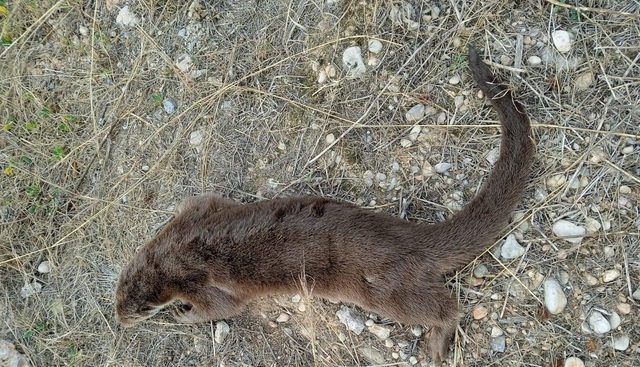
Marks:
<point>94,160</point>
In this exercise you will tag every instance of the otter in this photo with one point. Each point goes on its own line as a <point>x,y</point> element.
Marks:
<point>216,254</point>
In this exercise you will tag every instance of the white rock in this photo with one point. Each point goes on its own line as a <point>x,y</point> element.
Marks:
<point>415,131</point>
<point>296,298</point>
<point>322,77</point>
<point>556,181</point>
<point>454,80</point>
<point>416,330</point>
<point>353,62</point>
<point>591,280</point>
<point>380,331</point>
<point>30,289</point>
<point>126,17</point>
<point>511,248</point>
<point>44,267</point>
<point>583,81</point>
<point>624,189</point>
<point>499,344</point>
<point>636,294</point>
<point>614,320</point>
<point>480,271</point>
<point>598,323</point>
<point>84,31</point>
<point>415,113</point>
<point>184,62</point>
<point>169,105</point>
<point>592,226</point>
<point>221,333</point>
<point>562,40</point>
<point>621,342</point>
<point>10,357</point>
<point>627,150</point>
<point>405,143</point>
<point>573,362</point>
<point>496,332</point>
<point>330,138</point>
<point>442,167</point>
<point>283,317</point>
<point>350,319</point>
<point>492,155</point>
<point>610,275</point>
<point>554,298</point>
<point>534,61</point>
<point>331,71</point>
<point>372,355</point>
<point>195,139</point>
<point>375,46</point>
<point>570,232</point>
<point>413,360</point>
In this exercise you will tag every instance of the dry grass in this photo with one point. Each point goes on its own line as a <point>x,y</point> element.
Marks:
<point>93,165</point>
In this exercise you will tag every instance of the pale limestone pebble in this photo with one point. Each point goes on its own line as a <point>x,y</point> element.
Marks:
<point>145,168</point>
<point>353,62</point>
<point>372,355</point>
<point>570,232</point>
<point>169,105</point>
<point>496,332</point>
<point>442,117</point>
<point>375,46</point>
<point>184,63</point>
<point>554,298</point>
<point>609,252</point>
<point>454,80</point>
<point>534,61</point>
<point>621,342</point>
<point>44,267</point>
<point>480,271</point>
<point>30,289</point>
<point>381,176</point>
<point>591,280</point>
<point>624,308</point>
<point>499,344</point>
<point>614,320</point>
<point>597,155</point>
<point>380,331</point>
<point>415,113</point>
<point>415,131</point>
<point>416,330</point>
<point>429,110</point>
<point>511,249</point>
<point>126,17</point>
<point>283,317</point>
<point>330,138</point>
<point>573,362</point>
<point>442,167</point>
<point>296,298</point>
<point>583,81</point>
<point>84,31</point>
<point>395,355</point>
<point>458,102</point>
<point>492,155</point>
<point>480,312</point>
<point>221,333</point>
<point>389,343</point>
<point>592,226</point>
<point>506,60</point>
<point>556,181</point>
<point>302,307</point>
<point>636,294</point>
<point>627,150</point>
<point>322,77</point>
<point>10,357</point>
<point>561,40</point>
<point>624,189</point>
<point>195,140</point>
<point>351,319</point>
<point>331,71</point>
<point>598,323</point>
<point>369,322</point>
<point>413,360</point>
<point>610,275</point>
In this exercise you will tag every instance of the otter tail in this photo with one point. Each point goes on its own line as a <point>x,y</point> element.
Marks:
<point>474,228</point>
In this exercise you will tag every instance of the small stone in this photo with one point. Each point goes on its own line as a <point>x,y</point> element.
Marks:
<point>169,105</point>
<point>614,320</point>
<point>573,362</point>
<point>568,231</point>
<point>413,360</point>
<point>621,342</point>
<point>496,332</point>
<point>145,168</point>
<point>405,143</point>
<point>627,150</point>
<point>554,298</point>
<point>380,331</point>
<point>583,81</point>
<point>506,60</point>
<point>296,298</point>
<point>10,357</point>
<point>375,46</point>
<point>195,139</point>
<point>221,333</point>
<point>84,31</point>
<point>442,167</point>
<point>480,271</point>
<point>283,317</point>
<point>44,267</point>
<point>499,344</point>
<point>372,355</point>
<point>592,226</point>
<point>415,113</point>
<point>415,131</point>
<point>331,71</point>
<point>492,155</point>
<point>454,80</point>
<point>511,248</point>
<point>126,17</point>
<point>351,319</point>
<point>598,323</point>
<point>369,322</point>
<point>591,280</point>
<point>556,181</point>
<point>184,63</point>
<point>302,307</point>
<point>381,176</point>
<point>353,62</point>
<point>30,289</point>
<point>330,138</point>
<point>534,61</point>
<point>322,77</point>
<point>636,294</point>
<point>416,330</point>
<point>480,312</point>
<point>624,189</point>
<point>562,40</point>
<point>610,275</point>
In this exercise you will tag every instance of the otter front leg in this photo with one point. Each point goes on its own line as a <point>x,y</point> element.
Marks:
<point>209,303</point>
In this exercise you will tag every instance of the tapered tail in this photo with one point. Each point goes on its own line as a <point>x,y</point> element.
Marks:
<point>479,223</point>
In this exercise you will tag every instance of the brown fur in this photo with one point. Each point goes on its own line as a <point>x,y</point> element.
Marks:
<point>216,254</point>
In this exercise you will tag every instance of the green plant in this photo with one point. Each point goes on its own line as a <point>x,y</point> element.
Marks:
<point>69,118</point>
<point>57,152</point>
<point>156,98</point>
<point>458,61</point>
<point>40,326</point>
<point>44,112</point>
<point>30,125</point>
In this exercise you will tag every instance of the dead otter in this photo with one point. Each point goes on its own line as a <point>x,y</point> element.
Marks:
<point>216,255</point>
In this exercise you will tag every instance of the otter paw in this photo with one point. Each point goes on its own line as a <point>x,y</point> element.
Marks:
<point>438,344</point>
<point>183,313</point>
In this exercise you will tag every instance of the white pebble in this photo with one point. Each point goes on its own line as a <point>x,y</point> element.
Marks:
<point>598,323</point>
<point>554,298</point>
<point>614,320</point>
<point>416,330</point>
<point>492,155</point>
<point>283,317</point>
<point>331,71</point>
<point>621,342</point>
<point>380,331</point>
<point>415,131</point>
<point>480,271</point>
<point>511,248</point>
<point>584,81</point>
<point>169,105</point>
<point>126,17</point>
<point>573,362</point>
<point>84,31</point>
<point>330,138</point>
<point>624,189</point>
<point>570,232</point>
<point>322,77</point>
<point>221,333</point>
<point>413,360</point>
<point>610,275</point>
<point>375,46</point>
<point>415,113</point>
<point>195,138</point>
<point>636,294</point>
<point>351,319</point>
<point>627,150</point>
<point>44,267</point>
<point>353,62</point>
<point>372,355</point>
<point>454,79</point>
<point>556,181</point>
<point>496,332</point>
<point>534,61</point>
<point>591,280</point>
<point>30,289</point>
<point>562,40</point>
<point>442,167</point>
<point>405,143</point>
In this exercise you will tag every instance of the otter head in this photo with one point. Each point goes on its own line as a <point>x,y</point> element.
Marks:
<point>140,292</point>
